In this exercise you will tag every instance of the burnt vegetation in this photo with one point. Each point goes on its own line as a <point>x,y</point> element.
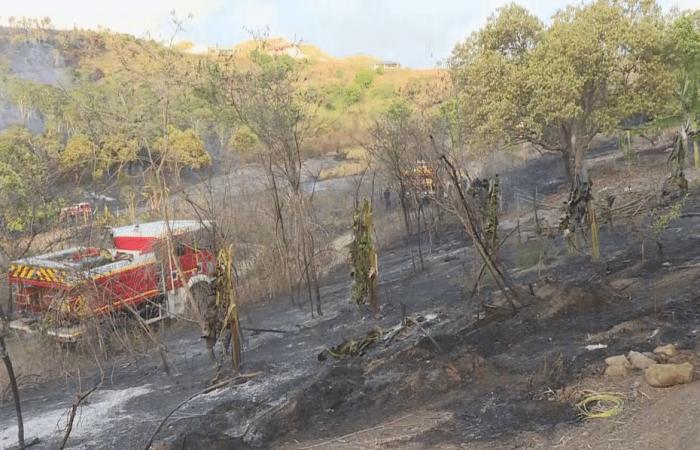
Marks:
<point>228,250</point>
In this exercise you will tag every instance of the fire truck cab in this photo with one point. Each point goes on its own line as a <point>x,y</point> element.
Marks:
<point>57,291</point>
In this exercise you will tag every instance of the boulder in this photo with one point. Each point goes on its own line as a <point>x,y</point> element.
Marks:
<point>668,350</point>
<point>665,375</point>
<point>618,360</point>
<point>617,371</point>
<point>639,361</point>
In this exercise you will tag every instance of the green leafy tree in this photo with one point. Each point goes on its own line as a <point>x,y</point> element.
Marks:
<point>182,149</point>
<point>685,32</point>
<point>558,86</point>
<point>244,140</point>
<point>81,153</point>
<point>118,151</point>
<point>25,203</point>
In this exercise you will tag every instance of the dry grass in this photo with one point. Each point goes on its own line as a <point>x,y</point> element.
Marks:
<point>37,358</point>
<point>356,153</point>
<point>344,169</point>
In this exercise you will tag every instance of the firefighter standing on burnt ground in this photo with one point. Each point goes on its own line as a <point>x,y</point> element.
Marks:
<point>387,198</point>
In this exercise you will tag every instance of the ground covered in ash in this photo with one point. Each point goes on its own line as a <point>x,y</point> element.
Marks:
<point>467,377</point>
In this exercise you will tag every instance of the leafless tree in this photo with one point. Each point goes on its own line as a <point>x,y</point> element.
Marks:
<point>270,100</point>
<point>398,145</point>
<point>7,361</point>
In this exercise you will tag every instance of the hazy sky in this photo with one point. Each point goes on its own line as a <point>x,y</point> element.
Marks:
<point>416,33</point>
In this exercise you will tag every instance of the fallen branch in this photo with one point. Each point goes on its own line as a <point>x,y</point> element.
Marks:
<point>31,443</point>
<point>79,398</point>
<point>420,327</point>
<point>498,272</point>
<point>483,265</point>
<point>264,330</point>
<point>656,149</point>
<point>191,397</point>
<point>687,266</point>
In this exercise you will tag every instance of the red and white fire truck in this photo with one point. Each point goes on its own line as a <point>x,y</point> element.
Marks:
<point>57,291</point>
<point>74,213</point>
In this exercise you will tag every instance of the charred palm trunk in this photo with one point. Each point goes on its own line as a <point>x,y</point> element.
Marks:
<point>580,211</point>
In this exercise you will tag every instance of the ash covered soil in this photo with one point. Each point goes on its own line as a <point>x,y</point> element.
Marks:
<point>467,378</point>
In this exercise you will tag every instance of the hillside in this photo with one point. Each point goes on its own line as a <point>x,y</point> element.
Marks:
<point>87,108</point>
<point>267,246</point>
<point>34,59</point>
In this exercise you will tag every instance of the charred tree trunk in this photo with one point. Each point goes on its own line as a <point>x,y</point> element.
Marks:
<point>420,244</point>
<point>574,157</point>
<point>569,170</point>
<point>4,354</point>
<point>281,231</point>
<point>307,275</point>
<point>314,275</point>
<point>407,221</point>
<point>404,209</point>
<point>79,398</point>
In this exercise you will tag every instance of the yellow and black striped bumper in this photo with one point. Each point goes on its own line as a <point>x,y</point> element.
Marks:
<point>37,273</point>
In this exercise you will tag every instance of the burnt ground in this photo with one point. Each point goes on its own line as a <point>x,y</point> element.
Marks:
<point>482,381</point>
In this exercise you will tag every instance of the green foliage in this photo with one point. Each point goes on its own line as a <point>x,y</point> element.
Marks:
<point>661,221</point>
<point>352,95</point>
<point>80,152</point>
<point>181,149</point>
<point>24,199</point>
<point>117,85</point>
<point>558,86</point>
<point>102,159</point>
<point>384,91</point>
<point>119,149</point>
<point>625,144</point>
<point>685,31</point>
<point>398,110</point>
<point>364,78</point>
<point>243,140</point>
<point>52,145</point>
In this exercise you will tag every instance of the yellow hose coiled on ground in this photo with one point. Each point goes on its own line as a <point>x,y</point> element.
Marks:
<point>606,405</point>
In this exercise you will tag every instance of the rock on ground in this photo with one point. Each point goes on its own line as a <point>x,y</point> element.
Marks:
<point>618,360</point>
<point>639,361</point>
<point>616,371</point>
<point>668,350</point>
<point>665,375</point>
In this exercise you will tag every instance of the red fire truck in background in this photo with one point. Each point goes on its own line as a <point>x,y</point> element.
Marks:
<point>74,213</point>
<point>58,290</point>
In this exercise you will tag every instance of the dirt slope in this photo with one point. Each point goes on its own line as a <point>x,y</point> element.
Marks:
<point>482,381</point>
